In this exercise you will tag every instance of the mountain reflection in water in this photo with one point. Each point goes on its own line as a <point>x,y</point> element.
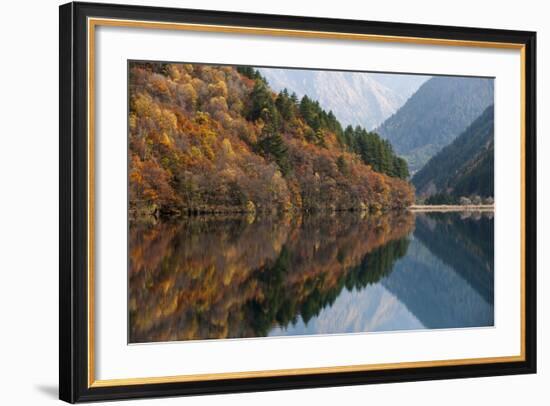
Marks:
<point>241,276</point>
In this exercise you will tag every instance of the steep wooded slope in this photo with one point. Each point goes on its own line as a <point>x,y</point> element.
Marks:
<point>435,115</point>
<point>466,166</point>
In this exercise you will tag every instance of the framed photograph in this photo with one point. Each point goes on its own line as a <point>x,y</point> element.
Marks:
<point>258,202</point>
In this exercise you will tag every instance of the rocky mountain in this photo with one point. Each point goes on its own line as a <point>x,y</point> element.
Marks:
<point>435,115</point>
<point>356,98</point>
<point>466,166</point>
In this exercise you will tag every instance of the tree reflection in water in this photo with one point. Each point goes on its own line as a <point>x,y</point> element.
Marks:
<point>240,276</point>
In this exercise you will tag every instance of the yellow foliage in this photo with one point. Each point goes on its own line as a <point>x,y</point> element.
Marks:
<point>143,105</point>
<point>202,118</point>
<point>218,89</point>
<point>166,139</point>
<point>168,120</point>
<point>174,72</point>
<point>195,152</point>
<point>208,137</point>
<point>209,152</point>
<point>187,91</point>
<point>132,121</point>
<point>227,148</point>
<point>217,104</point>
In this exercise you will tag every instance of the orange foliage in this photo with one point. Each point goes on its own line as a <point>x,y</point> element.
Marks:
<point>192,149</point>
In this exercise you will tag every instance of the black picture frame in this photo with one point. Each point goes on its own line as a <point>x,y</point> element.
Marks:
<point>73,255</point>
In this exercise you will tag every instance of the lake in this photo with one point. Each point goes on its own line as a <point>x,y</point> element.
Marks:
<point>212,277</point>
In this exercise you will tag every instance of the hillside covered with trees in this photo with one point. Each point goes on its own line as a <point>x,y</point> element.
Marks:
<point>464,168</point>
<point>435,115</point>
<point>205,139</point>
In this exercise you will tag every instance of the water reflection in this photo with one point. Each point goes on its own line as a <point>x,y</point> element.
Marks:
<point>233,277</point>
<point>446,279</point>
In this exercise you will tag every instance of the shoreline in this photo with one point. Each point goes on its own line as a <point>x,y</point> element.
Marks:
<point>451,207</point>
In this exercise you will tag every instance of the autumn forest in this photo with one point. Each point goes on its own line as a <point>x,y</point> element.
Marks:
<point>218,139</point>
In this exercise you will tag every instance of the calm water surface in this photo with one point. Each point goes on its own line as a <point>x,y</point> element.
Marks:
<point>247,276</point>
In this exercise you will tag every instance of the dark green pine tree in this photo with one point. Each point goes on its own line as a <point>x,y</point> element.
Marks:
<point>285,105</point>
<point>271,145</point>
<point>349,138</point>
<point>247,71</point>
<point>294,99</point>
<point>400,167</point>
<point>386,158</point>
<point>260,100</point>
<point>306,111</point>
<point>374,151</point>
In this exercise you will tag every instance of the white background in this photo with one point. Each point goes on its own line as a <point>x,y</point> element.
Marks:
<point>29,203</point>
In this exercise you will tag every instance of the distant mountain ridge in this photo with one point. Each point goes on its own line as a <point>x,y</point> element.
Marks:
<point>356,98</point>
<point>435,115</point>
<point>466,166</point>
